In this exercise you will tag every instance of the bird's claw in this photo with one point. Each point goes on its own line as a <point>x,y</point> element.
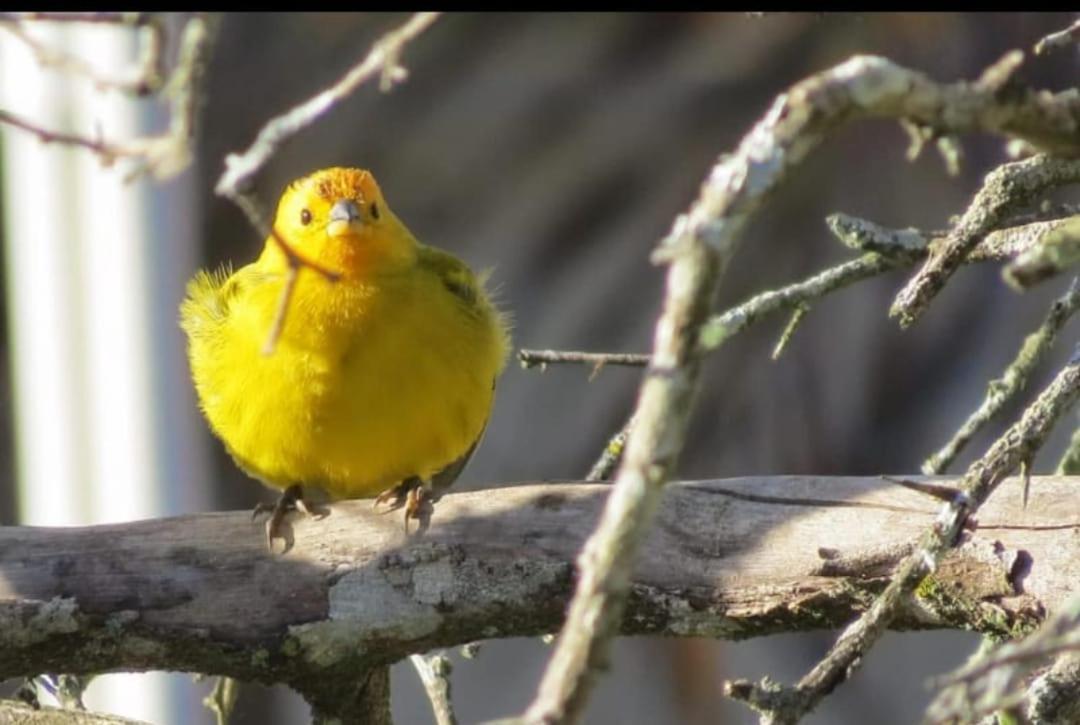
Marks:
<point>413,495</point>
<point>291,499</point>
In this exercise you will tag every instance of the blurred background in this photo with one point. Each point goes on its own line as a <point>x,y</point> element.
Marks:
<point>556,149</point>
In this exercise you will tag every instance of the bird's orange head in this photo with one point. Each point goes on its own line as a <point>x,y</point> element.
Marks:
<point>338,218</point>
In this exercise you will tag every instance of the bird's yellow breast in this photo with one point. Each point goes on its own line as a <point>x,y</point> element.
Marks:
<point>370,382</point>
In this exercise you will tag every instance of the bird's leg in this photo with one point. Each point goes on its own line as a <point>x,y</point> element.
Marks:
<point>291,499</point>
<point>413,493</point>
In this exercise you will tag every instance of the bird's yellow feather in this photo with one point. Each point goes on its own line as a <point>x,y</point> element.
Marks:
<point>385,374</point>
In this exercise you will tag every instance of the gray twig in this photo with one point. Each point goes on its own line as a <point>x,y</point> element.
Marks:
<point>613,452</point>
<point>1012,381</point>
<point>1070,461</point>
<point>543,358</point>
<point>722,327</point>
<point>1056,251</point>
<point>146,78</point>
<point>167,154</point>
<point>1058,40</point>
<point>1005,190</point>
<point>222,699</point>
<point>435,673</point>
<point>381,60</point>
<point>993,680</point>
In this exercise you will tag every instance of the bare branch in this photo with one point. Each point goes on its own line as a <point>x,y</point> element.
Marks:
<point>12,711</point>
<point>787,705</point>
<point>611,457</point>
<point>222,699</point>
<point>164,155</point>
<point>145,79</point>
<point>435,672</point>
<point>1070,461</point>
<point>1060,39</point>
<point>107,151</point>
<point>1005,190</point>
<point>543,358</point>
<point>994,681</point>
<point>1054,253</point>
<point>381,60</point>
<point>1012,382</point>
<point>726,325</point>
<point>193,593</point>
<point>889,249</point>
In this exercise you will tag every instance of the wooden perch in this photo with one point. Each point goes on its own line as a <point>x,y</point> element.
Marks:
<point>731,559</point>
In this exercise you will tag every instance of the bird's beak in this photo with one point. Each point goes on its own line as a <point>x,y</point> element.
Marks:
<point>345,219</point>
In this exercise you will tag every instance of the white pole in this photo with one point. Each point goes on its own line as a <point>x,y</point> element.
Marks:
<point>105,430</point>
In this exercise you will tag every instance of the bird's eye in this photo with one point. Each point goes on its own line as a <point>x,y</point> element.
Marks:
<point>305,217</point>
<point>374,210</point>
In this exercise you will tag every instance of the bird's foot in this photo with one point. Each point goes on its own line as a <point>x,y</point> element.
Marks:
<point>291,499</point>
<point>414,496</point>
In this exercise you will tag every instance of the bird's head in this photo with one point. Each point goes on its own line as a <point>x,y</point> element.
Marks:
<point>338,218</point>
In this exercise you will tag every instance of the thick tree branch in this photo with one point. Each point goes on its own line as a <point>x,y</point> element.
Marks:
<point>734,558</point>
<point>13,712</point>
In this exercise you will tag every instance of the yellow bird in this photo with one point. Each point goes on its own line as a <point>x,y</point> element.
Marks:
<point>380,381</point>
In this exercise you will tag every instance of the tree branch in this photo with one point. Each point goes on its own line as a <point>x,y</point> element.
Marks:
<point>1006,190</point>
<point>1012,382</point>
<point>166,154</point>
<point>18,713</point>
<point>1060,39</point>
<point>434,672</point>
<point>732,559</point>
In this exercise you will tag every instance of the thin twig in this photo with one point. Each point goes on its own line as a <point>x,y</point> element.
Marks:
<point>992,681</point>
<point>543,358</point>
<point>1058,40</point>
<point>164,155</point>
<point>435,672</point>
<point>779,704</point>
<point>724,326</point>
<point>107,151</point>
<point>797,316</point>
<point>381,60</point>
<point>1055,252</point>
<point>1005,190</point>
<point>241,169</point>
<point>1070,461</point>
<point>613,452</point>
<point>222,699</point>
<point>1012,382</point>
<point>887,248</point>
<point>144,80</point>
<point>104,18</point>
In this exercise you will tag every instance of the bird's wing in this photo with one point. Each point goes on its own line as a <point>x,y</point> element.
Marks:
<point>445,478</point>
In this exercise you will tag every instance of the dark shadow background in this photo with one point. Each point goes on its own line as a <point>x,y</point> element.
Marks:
<point>558,149</point>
